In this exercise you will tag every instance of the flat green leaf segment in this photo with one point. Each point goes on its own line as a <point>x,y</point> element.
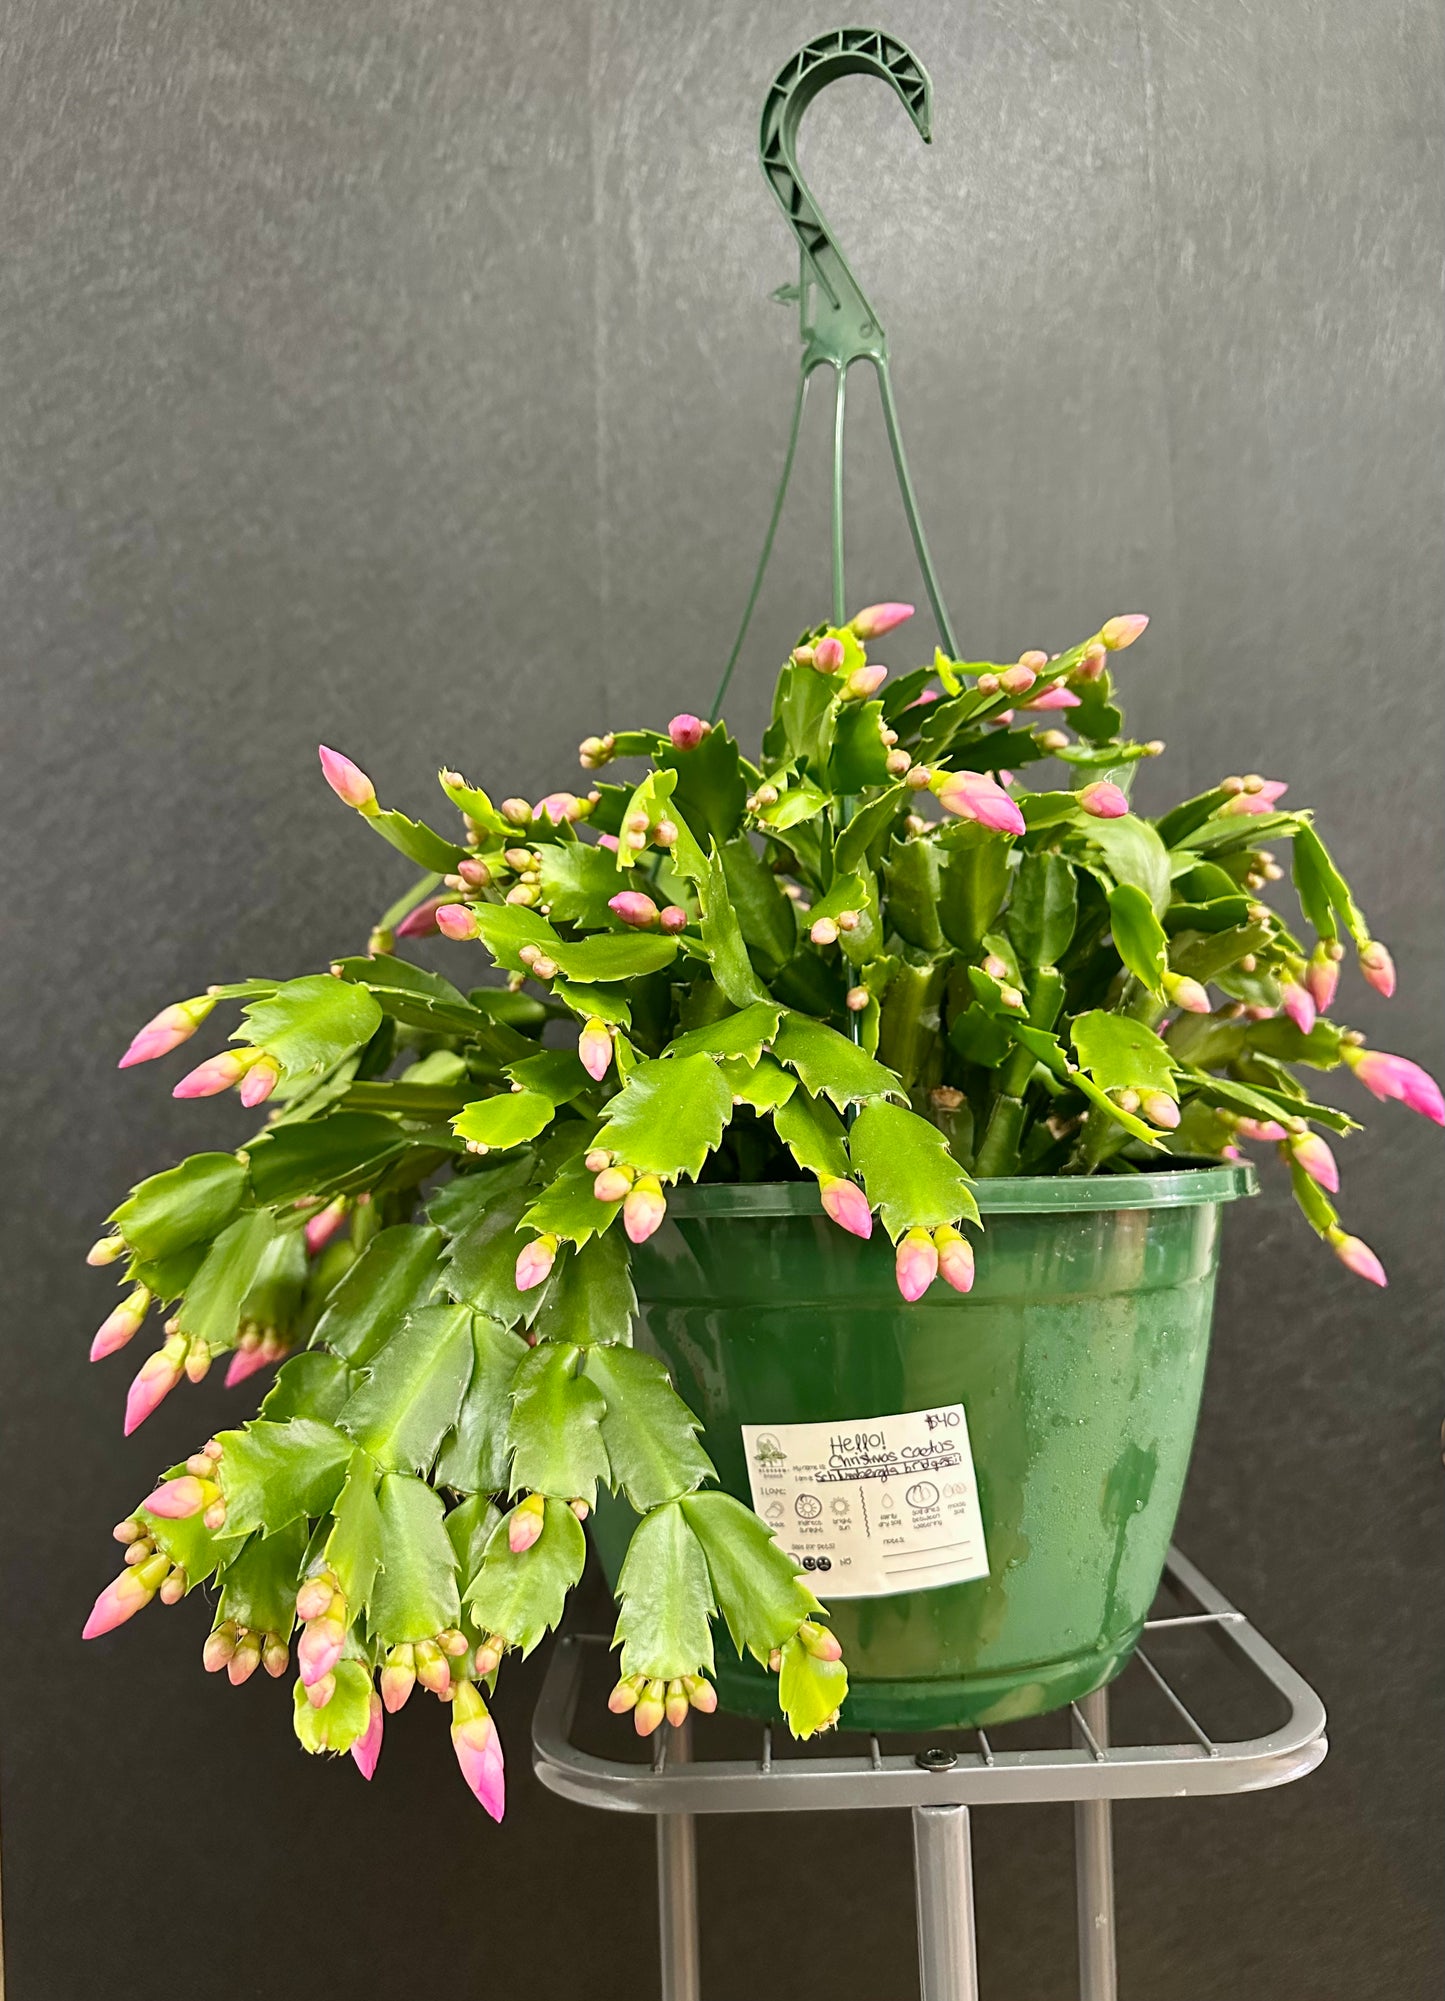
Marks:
<point>664,1625</point>
<point>311,1024</point>
<point>909,1174</point>
<point>811,963</point>
<point>416,1589</point>
<point>412,1389</point>
<point>669,1116</point>
<point>1121,1054</point>
<point>520,1597</point>
<point>556,1428</point>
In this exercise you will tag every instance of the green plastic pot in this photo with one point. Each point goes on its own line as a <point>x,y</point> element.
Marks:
<point>1078,1358</point>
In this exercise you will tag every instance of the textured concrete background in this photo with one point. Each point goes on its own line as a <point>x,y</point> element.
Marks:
<point>399,373</point>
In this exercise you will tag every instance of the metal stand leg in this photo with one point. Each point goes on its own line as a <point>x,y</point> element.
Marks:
<point>677,1890</point>
<point>1094,1870</point>
<point>943,1876</point>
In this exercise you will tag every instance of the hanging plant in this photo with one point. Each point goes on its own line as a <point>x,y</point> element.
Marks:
<point>874,958</point>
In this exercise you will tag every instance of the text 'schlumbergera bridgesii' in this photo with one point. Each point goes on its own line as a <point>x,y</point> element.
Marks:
<point>876,956</point>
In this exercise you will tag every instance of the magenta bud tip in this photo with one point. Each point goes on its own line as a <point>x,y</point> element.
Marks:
<point>1356,1256</point>
<point>846,1204</point>
<point>208,1079</point>
<point>1104,800</point>
<point>686,732</point>
<point>367,1748</point>
<point>635,908</point>
<point>347,780</point>
<point>158,1376</point>
<point>915,1264</point>
<point>422,921</point>
<point>975,795</point>
<point>594,1048</point>
<point>828,655</point>
<point>1123,631</point>
<point>535,1262</point>
<point>876,619</point>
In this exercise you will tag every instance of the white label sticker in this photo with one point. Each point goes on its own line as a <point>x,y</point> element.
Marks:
<point>871,1506</point>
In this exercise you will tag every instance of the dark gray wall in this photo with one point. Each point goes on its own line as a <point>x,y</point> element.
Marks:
<point>400,374</point>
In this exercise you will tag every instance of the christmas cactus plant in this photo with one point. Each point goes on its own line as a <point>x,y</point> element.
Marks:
<point>875,957</point>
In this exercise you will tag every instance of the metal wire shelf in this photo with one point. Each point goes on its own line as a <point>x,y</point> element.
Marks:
<point>955,1772</point>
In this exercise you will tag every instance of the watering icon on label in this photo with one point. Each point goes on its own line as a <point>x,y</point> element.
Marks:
<point>922,1494</point>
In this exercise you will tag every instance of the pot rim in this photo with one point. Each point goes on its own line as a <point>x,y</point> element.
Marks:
<point>1183,1187</point>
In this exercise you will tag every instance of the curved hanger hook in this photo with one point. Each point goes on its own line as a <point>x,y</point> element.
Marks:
<point>837,321</point>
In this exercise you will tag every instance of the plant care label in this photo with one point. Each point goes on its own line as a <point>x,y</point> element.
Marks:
<point>872,1506</point>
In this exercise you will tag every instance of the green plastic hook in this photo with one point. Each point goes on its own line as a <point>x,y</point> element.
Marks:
<point>837,322</point>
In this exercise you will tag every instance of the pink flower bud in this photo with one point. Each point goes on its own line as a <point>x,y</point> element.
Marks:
<point>701,1694</point>
<point>122,1325</point>
<point>1121,632</point>
<point>863,682</point>
<point>1057,697</point>
<point>325,1223</point>
<point>455,920</point>
<point>1092,662</point>
<point>672,919</point>
<point>594,1048</point>
<point>1103,799</point>
<point>624,1696</point>
<point>1316,1159</point>
<point>259,1082</point>
<point>686,732</point>
<point>398,1678</point>
<point>525,1523</point>
<point>367,1748</point>
<point>216,1074</point>
<point>635,908</point>
<point>347,780</point>
<point>1186,993</point>
<point>974,795</point>
<point>219,1647</point>
<point>823,931</point>
<point>1261,1130</point>
<point>478,1749</point>
<point>275,1656</point>
<point>1017,680</point>
<point>955,1258</point>
<point>1322,977</point>
<point>677,1704</point>
<point>166,1031</point>
<point>1299,1004</point>
<point>1159,1109</point>
<point>158,1376</point>
<point>608,841</point>
<point>819,1642</point>
<point>828,655</point>
<point>856,999</point>
<point>246,1362</point>
<point>1378,967</point>
<point>176,1500</point>
<point>847,1205</point>
<point>107,1250</point>
<point>535,1263</point>
<point>915,1264</point>
<point>422,921</point>
<point>319,1693</point>
<point>557,807</point>
<point>876,619</point>
<point>612,1184</point>
<point>244,1661</point>
<point>126,1595</point>
<point>644,1208</point>
<point>1257,797</point>
<point>1397,1077</point>
<point>319,1649</point>
<point>650,1710</point>
<point>1356,1255</point>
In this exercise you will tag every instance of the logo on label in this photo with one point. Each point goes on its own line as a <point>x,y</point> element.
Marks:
<point>767,1451</point>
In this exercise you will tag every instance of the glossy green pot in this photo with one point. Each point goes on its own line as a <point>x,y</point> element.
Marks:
<point>1078,1358</point>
